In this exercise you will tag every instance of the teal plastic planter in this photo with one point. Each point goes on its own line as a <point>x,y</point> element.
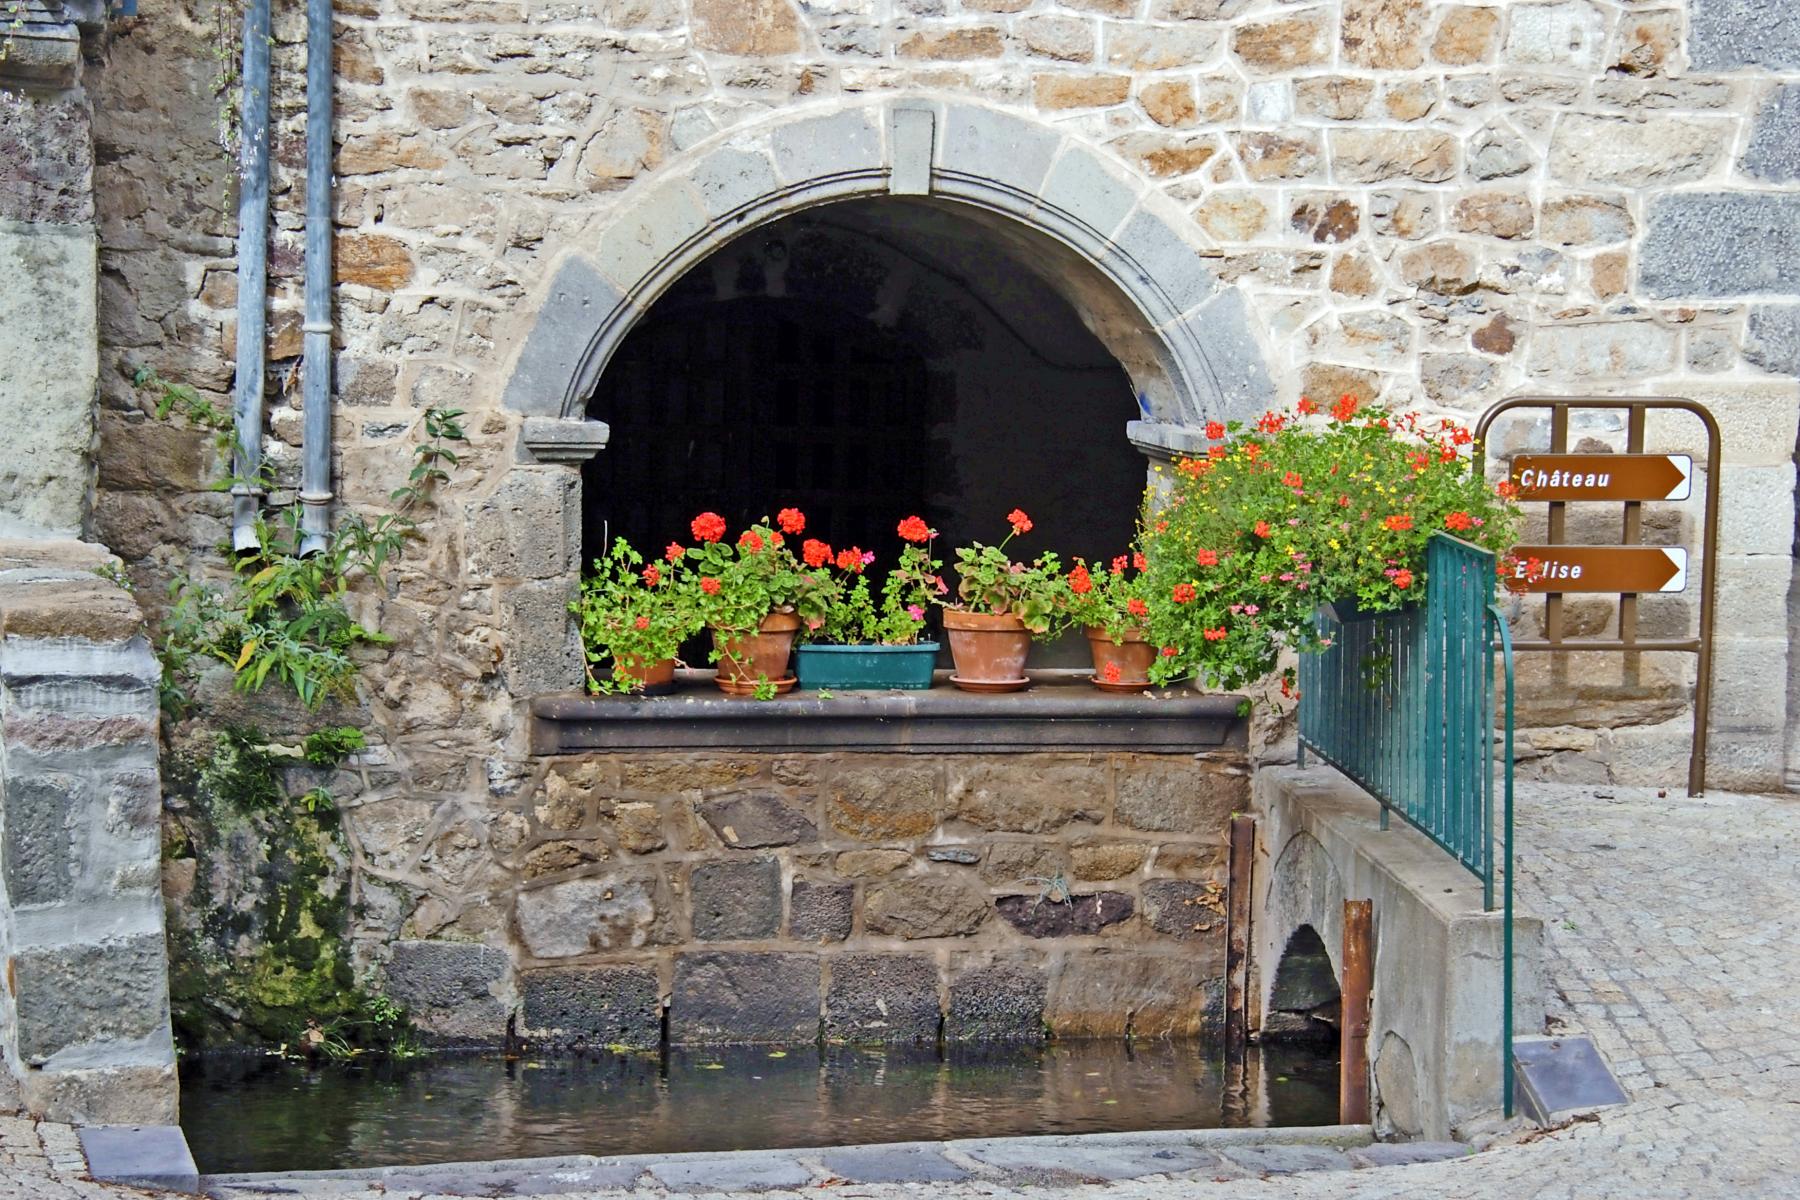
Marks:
<point>867,668</point>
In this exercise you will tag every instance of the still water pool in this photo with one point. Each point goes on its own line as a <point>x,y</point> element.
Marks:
<point>266,1114</point>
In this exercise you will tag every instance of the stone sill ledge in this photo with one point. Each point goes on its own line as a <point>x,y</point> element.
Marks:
<point>1061,711</point>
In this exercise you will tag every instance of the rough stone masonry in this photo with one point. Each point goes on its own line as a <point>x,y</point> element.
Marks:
<point>1430,204</point>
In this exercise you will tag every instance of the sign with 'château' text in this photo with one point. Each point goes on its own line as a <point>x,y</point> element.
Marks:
<point>1612,477</point>
<point>1627,570</point>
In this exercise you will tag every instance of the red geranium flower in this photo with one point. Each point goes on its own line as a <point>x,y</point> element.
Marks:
<point>1506,489</point>
<point>1458,521</point>
<point>1215,430</point>
<point>1137,607</point>
<point>750,540</point>
<point>1118,565</point>
<point>1019,521</point>
<point>815,552</point>
<point>851,560</point>
<point>1261,530</point>
<point>1138,560</point>
<point>791,520</point>
<point>673,551</point>
<point>1306,407</point>
<point>914,529</point>
<point>1215,635</point>
<point>642,623</point>
<point>708,526</point>
<point>1080,582</point>
<point>1291,479</point>
<point>1170,651</point>
<point>652,574</point>
<point>1111,673</point>
<point>1345,408</point>
<point>1207,558</point>
<point>1271,422</point>
<point>1399,522</point>
<point>1183,593</point>
<point>1403,578</point>
<point>1215,452</point>
<point>709,585</point>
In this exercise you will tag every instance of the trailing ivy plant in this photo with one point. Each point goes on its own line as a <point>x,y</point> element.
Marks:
<point>282,615</point>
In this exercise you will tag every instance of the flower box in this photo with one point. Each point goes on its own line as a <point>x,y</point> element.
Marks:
<point>867,668</point>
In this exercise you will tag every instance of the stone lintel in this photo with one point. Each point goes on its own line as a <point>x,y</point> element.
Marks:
<point>1061,711</point>
<point>1164,442</point>
<point>570,440</point>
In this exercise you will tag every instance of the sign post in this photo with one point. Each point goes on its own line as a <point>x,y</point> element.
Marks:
<point>1556,568</point>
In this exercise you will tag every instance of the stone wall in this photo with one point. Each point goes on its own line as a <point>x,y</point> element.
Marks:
<point>84,1016</point>
<point>762,898</point>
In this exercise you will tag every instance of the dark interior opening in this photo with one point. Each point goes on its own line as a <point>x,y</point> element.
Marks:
<point>1304,1001</point>
<point>866,361</point>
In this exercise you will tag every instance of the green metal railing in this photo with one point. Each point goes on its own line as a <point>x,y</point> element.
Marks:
<point>1403,703</point>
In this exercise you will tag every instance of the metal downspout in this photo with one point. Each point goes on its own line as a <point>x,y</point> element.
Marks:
<point>315,467</point>
<point>253,279</point>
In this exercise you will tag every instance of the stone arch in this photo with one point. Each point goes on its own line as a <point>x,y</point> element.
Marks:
<point>1304,994</point>
<point>1304,891</point>
<point>1125,254</point>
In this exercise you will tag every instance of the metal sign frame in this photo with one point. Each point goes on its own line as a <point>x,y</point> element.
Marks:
<point>1637,410</point>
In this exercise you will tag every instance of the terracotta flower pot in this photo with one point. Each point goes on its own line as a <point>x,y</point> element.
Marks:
<point>1132,657</point>
<point>989,651</point>
<point>746,658</point>
<point>653,679</point>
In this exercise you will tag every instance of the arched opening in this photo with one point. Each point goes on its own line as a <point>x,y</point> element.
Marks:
<point>1304,1002</point>
<point>865,360</point>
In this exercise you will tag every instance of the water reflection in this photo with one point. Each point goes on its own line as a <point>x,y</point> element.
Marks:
<point>267,1115</point>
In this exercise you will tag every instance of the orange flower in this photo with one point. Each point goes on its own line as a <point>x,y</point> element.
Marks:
<point>851,560</point>
<point>1345,408</point>
<point>1118,565</point>
<point>1215,635</point>
<point>1138,560</point>
<point>1458,521</point>
<point>1170,651</point>
<point>1080,582</point>
<point>642,623</point>
<point>1506,489</point>
<point>652,574</point>
<point>1403,578</point>
<point>1111,673</point>
<point>1271,422</point>
<point>791,520</point>
<point>673,551</point>
<point>1291,479</point>
<point>1306,407</point>
<point>1399,522</point>
<point>1183,593</point>
<point>1215,430</point>
<point>708,526</point>
<point>1207,558</point>
<point>815,553</point>
<point>1261,530</point>
<point>914,529</point>
<point>1019,521</point>
<point>1215,453</point>
<point>1137,607</point>
<point>709,585</point>
<point>750,540</point>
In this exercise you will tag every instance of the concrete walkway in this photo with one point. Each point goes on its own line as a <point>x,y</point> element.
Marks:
<point>1674,942</point>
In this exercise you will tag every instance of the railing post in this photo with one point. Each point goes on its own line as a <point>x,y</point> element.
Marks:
<point>1354,998</point>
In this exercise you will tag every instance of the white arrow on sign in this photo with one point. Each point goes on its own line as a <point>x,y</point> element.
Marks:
<point>1681,491</point>
<point>1677,556</point>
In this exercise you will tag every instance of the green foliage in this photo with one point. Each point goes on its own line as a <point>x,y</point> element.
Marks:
<point>854,618</point>
<point>733,585</point>
<point>282,615</point>
<point>988,581</point>
<point>1302,509</point>
<point>632,614</point>
<point>329,747</point>
<point>1112,598</point>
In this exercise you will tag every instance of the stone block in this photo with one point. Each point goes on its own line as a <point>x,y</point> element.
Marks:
<point>1773,341</point>
<point>1026,796</point>
<point>643,236</point>
<point>840,143</point>
<point>70,995</point>
<point>1092,192</point>
<point>1774,150</point>
<point>152,1157</point>
<point>1747,697</point>
<point>38,864</point>
<point>1727,35</point>
<point>581,916</point>
<point>871,864</point>
<point>1177,797</point>
<point>1284,44</point>
<point>577,303</point>
<point>753,819</point>
<point>1586,221</point>
<point>1046,916</point>
<point>1267,156</point>
<point>1466,35</point>
<point>1053,91</point>
<point>874,805</point>
<point>736,1172</point>
<point>882,998</point>
<point>1751,591</point>
<point>1171,262</point>
<point>1264,1161</point>
<point>1184,909</point>
<point>821,912</point>
<point>735,901</point>
<point>1756,510</point>
<point>530,528</point>
<point>918,1163</point>
<point>745,999</point>
<point>729,179</point>
<point>1019,864</point>
<point>1384,34</point>
<point>996,1002</point>
<point>1603,349</point>
<point>1237,368</point>
<point>1758,422</point>
<point>1636,152</point>
<point>542,648</point>
<point>1374,155</point>
<point>954,45</point>
<point>747,28</point>
<point>924,906</point>
<point>1115,994</point>
<point>1568,35</point>
<point>453,991</point>
<point>1108,860</point>
<point>593,1007</point>
<point>994,146</point>
<point>1722,244</point>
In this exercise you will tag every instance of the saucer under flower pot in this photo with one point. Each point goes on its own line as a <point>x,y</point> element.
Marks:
<point>989,651</point>
<point>1131,657</point>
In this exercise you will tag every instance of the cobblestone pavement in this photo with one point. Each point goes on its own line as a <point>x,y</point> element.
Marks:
<point>1674,942</point>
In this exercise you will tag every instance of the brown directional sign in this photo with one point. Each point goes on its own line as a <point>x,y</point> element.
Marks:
<point>1603,477</point>
<point>1623,569</point>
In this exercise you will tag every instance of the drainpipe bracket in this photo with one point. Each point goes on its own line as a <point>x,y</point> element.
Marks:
<point>566,440</point>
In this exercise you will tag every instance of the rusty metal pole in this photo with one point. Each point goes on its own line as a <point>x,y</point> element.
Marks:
<point>1239,868</point>
<point>1353,1035</point>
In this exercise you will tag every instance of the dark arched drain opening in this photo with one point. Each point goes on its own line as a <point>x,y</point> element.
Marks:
<point>1304,1002</point>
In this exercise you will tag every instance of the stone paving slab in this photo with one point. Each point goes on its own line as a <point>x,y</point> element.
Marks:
<point>913,1163</point>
